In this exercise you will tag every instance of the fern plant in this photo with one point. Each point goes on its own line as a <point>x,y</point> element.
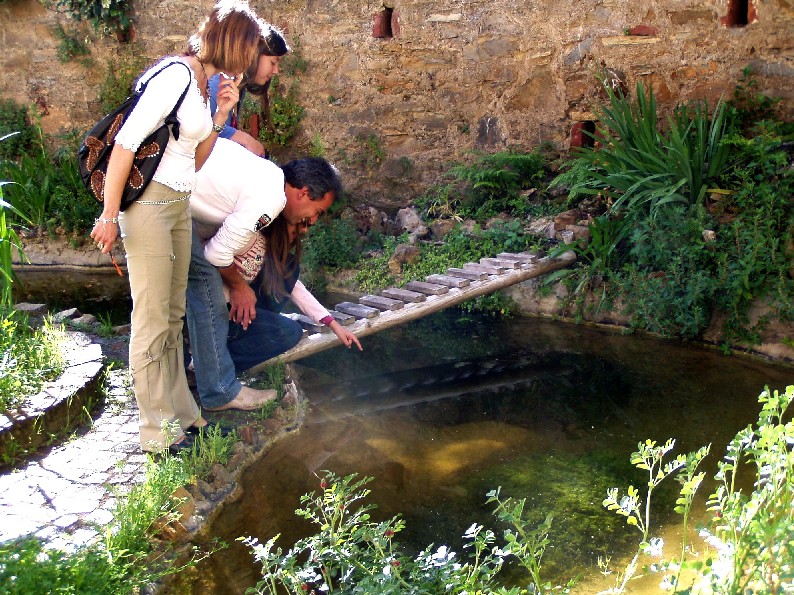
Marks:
<point>493,183</point>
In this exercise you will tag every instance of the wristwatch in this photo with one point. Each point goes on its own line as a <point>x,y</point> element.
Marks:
<point>217,127</point>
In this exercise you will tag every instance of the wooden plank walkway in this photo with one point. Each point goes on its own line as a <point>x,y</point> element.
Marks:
<point>487,276</point>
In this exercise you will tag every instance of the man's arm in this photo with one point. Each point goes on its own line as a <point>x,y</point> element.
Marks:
<point>241,297</point>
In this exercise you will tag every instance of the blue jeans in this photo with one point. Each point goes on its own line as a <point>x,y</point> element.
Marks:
<point>221,348</point>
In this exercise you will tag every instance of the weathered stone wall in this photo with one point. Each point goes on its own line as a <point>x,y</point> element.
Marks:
<point>456,75</point>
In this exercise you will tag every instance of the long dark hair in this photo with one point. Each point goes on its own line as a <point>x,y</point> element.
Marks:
<point>271,44</point>
<point>282,258</point>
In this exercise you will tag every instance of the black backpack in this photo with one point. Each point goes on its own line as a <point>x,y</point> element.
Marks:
<point>94,152</point>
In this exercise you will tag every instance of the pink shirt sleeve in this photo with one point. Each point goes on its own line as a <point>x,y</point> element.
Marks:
<point>307,303</point>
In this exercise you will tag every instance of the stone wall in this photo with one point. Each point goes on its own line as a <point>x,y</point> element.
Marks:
<point>432,80</point>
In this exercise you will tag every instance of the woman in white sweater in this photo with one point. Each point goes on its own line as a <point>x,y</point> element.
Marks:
<point>156,229</point>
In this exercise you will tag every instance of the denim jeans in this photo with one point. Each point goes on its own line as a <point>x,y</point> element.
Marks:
<point>269,334</point>
<point>220,347</point>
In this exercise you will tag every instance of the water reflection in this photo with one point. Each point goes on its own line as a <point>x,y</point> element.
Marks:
<point>442,410</point>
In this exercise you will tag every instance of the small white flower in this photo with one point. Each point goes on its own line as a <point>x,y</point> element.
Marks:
<point>472,531</point>
<point>655,546</point>
<point>667,583</point>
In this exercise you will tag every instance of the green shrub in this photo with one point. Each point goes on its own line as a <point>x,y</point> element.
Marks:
<point>29,357</point>
<point>106,16</point>
<point>9,243</point>
<point>493,183</point>
<point>286,114</point>
<point>441,201</point>
<point>329,244</point>
<point>122,73</point>
<point>643,170</point>
<point>751,256</point>
<point>14,118</point>
<point>70,46</point>
<point>351,553</point>
<point>71,206</point>
<point>748,106</point>
<point>48,192</point>
<point>669,191</point>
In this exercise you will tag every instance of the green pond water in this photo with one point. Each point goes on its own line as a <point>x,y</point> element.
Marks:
<point>444,409</point>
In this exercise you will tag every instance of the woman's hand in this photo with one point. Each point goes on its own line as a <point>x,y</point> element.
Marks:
<point>345,336</point>
<point>105,232</point>
<point>228,94</point>
<point>227,97</point>
<point>106,228</point>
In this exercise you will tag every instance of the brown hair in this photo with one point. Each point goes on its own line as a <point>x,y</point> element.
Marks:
<point>277,265</point>
<point>271,44</point>
<point>228,38</point>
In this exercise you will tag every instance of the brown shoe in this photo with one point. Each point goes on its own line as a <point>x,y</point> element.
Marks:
<point>248,399</point>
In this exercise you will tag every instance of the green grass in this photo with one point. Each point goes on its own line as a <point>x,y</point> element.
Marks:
<point>29,357</point>
<point>127,556</point>
<point>273,377</point>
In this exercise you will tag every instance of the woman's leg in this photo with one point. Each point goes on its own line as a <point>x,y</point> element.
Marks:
<point>148,241</point>
<point>185,408</point>
<point>269,334</point>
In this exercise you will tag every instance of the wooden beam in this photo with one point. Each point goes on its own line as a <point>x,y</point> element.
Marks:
<point>314,343</point>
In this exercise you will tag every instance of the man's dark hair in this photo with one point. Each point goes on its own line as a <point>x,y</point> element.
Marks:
<point>316,174</point>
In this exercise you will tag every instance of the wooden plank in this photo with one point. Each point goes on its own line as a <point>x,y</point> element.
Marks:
<point>483,268</point>
<point>395,293</point>
<point>448,280</point>
<point>309,345</point>
<point>464,274</point>
<point>309,325</point>
<point>380,302</point>
<point>357,310</point>
<point>427,288</point>
<point>519,257</point>
<point>499,262</point>
<point>341,318</point>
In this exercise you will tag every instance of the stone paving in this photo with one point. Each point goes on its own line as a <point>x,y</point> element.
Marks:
<point>67,494</point>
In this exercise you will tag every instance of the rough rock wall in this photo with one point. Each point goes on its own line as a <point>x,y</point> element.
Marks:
<point>427,81</point>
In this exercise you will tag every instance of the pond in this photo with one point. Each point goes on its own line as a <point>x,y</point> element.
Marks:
<point>444,409</point>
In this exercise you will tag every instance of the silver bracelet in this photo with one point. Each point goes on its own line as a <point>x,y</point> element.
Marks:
<point>104,220</point>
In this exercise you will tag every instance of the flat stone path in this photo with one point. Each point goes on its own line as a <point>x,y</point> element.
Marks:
<point>67,494</point>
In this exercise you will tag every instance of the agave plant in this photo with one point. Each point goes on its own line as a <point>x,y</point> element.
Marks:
<point>642,170</point>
